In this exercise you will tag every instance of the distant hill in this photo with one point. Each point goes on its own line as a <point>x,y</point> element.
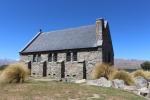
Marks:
<point>6,61</point>
<point>128,63</point>
<point>119,63</point>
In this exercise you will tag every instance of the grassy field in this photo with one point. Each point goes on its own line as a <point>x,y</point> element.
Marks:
<point>33,90</point>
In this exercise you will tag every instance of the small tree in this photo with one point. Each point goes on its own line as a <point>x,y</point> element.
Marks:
<point>145,65</point>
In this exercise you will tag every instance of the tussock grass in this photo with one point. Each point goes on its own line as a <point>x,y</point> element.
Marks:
<point>147,73</point>
<point>14,73</point>
<point>125,76</point>
<point>139,73</point>
<point>103,70</point>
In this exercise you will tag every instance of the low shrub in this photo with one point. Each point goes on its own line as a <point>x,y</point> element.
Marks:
<point>123,75</point>
<point>145,65</point>
<point>139,73</point>
<point>102,70</point>
<point>3,67</point>
<point>14,73</point>
<point>0,72</point>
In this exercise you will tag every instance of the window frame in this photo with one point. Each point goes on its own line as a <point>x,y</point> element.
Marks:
<point>75,56</point>
<point>38,57</point>
<point>55,57</point>
<point>34,58</point>
<point>50,57</point>
<point>68,56</point>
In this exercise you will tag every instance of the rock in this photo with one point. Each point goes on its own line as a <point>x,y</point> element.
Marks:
<point>141,82</point>
<point>148,95</point>
<point>143,91</point>
<point>118,83</point>
<point>80,81</point>
<point>100,82</point>
<point>130,88</point>
<point>149,85</point>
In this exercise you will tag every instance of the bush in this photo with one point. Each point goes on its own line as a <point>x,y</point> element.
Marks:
<point>3,67</point>
<point>14,73</point>
<point>139,73</point>
<point>102,70</point>
<point>145,65</point>
<point>123,75</point>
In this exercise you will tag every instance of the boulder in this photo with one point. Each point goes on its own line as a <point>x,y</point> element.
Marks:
<point>80,81</point>
<point>141,82</point>
<point>143,91</point>
<point>118,83</point>
<point>149,85</point>
<point>148,95</point>
<point>130,88</point>
<point>100,82</point>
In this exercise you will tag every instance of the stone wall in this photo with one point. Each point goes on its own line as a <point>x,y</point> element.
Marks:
<point>73,69</point>
<point>54,70</point>
<point>37,69</point>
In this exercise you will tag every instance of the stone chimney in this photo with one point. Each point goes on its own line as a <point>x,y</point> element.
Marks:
<point>99,30</point>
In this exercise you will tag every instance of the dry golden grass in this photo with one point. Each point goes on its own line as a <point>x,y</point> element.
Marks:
<point>123,75</point>
<point>103,70</point>
<point>139,73</point>
<point>147,73</point>
<point>14,73</point>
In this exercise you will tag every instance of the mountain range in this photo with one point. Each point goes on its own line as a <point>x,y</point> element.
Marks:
<point>128,63</point>
<point>118,63</point>
<point>6,61</point>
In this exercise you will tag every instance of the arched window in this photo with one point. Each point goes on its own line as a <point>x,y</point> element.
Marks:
<point>55,57</point>
<point>50,57</point>
<point>39,58</point>
<point>34,58</point>
<point>68,56</point>
<point>75,56</point>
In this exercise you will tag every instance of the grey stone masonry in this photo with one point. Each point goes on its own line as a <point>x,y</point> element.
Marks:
<point>73,69</point>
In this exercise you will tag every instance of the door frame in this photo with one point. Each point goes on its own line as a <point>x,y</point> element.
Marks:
<point>29,66</point>
<point>44,69</point>
<point>84,70</point>
<point>63,69</point>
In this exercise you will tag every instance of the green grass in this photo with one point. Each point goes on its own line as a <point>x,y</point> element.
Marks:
<point>33,90</point>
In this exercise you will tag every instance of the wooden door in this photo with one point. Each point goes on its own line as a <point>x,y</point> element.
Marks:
<point>63,70</point>
<point>29,66</point>
<point>84,70</point>
<point>44,69</point>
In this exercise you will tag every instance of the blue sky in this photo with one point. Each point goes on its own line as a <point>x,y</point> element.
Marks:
<point>129,22</point>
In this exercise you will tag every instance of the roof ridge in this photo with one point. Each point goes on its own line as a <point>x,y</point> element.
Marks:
<point>70,28</point>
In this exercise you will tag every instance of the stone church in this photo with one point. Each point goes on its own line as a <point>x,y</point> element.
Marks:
<point>69,53</point>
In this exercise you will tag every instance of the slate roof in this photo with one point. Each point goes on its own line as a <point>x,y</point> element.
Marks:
<point>73,38</point>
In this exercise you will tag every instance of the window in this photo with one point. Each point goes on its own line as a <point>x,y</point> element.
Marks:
<point>74,56</point>
<point>34,58</point>
<point>39,58</point>
<point>68,56</point>
<point>50,57</point>
<point>55,57</point>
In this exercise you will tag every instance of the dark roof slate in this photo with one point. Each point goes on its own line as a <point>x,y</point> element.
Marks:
<point>73,38</point>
